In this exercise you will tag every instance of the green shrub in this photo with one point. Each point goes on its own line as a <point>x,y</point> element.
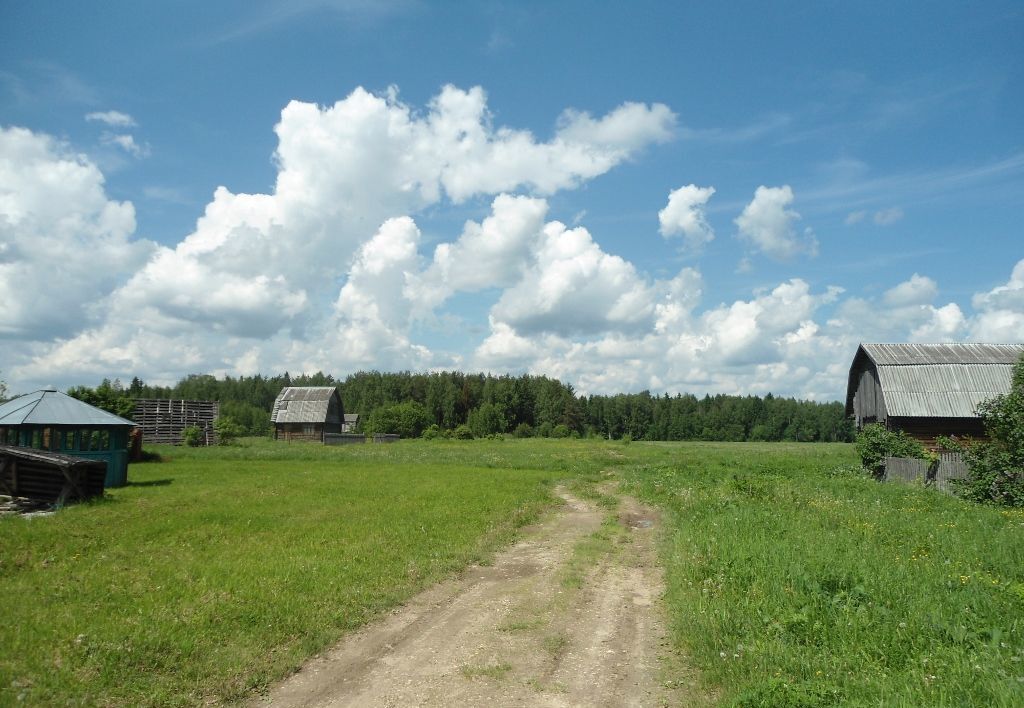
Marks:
<point>523,430</point>
<point>432,432</point>
<point>486,420</point>
<point>192,436</point>
<point>996,466</point>
<point>875,443</point>
<point>463,432</point>
<point>227,429</point>
<point>560,431</point>
<point>407,420</point>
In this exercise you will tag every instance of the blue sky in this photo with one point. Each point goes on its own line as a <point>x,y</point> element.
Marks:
<point>487,186</point>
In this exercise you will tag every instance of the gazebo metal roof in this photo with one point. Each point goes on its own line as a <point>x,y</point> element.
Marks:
<point>51,407</point>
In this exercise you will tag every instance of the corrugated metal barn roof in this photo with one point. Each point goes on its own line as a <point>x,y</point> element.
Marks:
<point>302,404</point>
<point>940,380</point>
<point>907,354</point>
<point>49,407</point>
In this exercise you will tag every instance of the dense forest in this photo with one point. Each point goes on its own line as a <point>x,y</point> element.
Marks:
<point>414,404</point>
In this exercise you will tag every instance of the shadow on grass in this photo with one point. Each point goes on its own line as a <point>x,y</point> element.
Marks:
<point>151,483</point>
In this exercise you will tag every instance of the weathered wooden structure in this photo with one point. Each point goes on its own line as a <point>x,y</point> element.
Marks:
<point>307,413</point>
<point>49,476</point>
<point>928,390</point>
<point>949,467</point>
<point>163,421</point>
<point>349,422</point>
<point>55,422</point>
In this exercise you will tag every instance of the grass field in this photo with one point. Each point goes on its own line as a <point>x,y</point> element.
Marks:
<point>796,581</point>
<point>792,580</point>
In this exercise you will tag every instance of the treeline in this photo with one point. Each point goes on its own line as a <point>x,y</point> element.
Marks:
<point>412,404</point>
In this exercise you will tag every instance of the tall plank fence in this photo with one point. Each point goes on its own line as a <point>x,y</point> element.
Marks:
<point>164,420</point>
<point>910,470</point>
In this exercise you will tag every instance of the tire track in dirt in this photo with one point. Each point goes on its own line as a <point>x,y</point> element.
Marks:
<point>524,631</point>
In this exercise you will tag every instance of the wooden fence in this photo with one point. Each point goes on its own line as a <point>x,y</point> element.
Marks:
<point>163,421</point>
<point>354,438</point>
<point>905,469</point>
<point>344,439</point>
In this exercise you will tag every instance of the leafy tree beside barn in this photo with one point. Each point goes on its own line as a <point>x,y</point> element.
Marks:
<point>997,465</point>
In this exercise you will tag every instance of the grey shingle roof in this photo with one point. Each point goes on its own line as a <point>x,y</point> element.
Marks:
<point>49,407</point>
<point>302,404</point>
<point>941,380</point>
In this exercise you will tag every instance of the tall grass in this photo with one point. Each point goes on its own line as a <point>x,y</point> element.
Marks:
<point>792,580</point>
<point>795,581</point>
<point>220,570</point>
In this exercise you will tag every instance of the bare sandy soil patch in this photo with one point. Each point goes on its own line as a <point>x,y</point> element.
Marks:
<point>568,616</point>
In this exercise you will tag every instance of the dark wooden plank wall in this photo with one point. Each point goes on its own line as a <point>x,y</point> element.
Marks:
<point>868,400</point>
<point>928,430</point>
<point>48,476</point>
<point>288,432</point>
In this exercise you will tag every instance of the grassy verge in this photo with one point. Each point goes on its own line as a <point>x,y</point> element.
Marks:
<point>220,570</point>
<point>793,581</point>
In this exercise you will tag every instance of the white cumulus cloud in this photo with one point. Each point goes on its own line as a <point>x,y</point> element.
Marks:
<point>767,224</point>
<point>64,245</point>
<point>684,215</point>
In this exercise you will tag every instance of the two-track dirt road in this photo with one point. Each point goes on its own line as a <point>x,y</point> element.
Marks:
<point>568,616</point>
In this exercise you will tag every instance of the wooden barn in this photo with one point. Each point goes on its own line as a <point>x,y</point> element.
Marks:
<point>307,413</point>
<point>928,390</point>
<point>55,422</point>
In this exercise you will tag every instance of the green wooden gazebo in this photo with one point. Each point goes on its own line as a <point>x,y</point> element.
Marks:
<point>51,420</point>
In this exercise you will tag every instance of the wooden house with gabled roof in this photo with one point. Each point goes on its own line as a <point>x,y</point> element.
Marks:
<point>307,413</point>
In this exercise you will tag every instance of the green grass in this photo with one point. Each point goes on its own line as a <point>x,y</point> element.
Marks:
<point>793,581</point>
<point>491,671</point>
<point>220,570</point>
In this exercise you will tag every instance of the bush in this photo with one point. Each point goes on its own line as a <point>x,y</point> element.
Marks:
<point>227,430</point>
<point>875,443</point>
<point>432,432</point>
<point>407,420</point>
<point>996,466</point>
<point>192,436</point>
<point>462,432</point>
<point>523,430</point>
<point>560,431</point>
<point>487,419</point>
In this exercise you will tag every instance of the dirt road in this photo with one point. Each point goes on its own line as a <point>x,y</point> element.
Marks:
<point>569,616</point>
